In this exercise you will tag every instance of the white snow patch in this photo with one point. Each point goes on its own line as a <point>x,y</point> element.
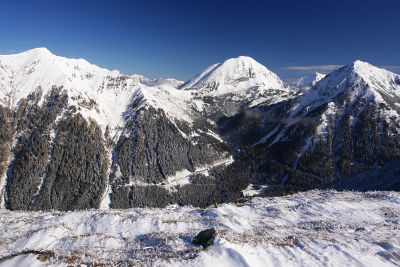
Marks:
<point>212,134</point>
<point>253,190</point>
<point>216,136</point>
<point>266,137</point>
<point>330,112</point>
<point>303,149</point>
<point>182,177</point>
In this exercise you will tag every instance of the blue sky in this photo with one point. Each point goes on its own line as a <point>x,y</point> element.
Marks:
<point>180,38</point>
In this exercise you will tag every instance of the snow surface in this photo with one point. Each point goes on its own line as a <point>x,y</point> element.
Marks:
<point>253,190</point>
<point>314,228</point>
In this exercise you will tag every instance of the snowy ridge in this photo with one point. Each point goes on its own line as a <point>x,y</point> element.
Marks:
<point>106,96</point>
<point>200,76</point>
<point>357,74</point>
<point>362,84</point>
<point>101,94</point>
<point>359,79</point>
<point>314,228</point>
<point>169,81</point>
<point>40,68</point>
<point>308,81</point>
<point>174,102</point>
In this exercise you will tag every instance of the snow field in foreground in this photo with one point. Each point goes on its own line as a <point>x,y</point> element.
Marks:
<point>315,228</point>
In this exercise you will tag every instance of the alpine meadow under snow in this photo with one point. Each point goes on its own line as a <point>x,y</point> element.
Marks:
<point>99,167</point>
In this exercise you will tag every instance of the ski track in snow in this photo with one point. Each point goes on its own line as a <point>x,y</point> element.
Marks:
<point>314,228</point>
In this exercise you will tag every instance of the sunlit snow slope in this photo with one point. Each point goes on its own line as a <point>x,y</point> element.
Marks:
<point>316,228</point>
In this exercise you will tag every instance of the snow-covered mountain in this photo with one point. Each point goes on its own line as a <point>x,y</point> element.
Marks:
<point>356,84</point>
<point>115,118</point>
<point>352,89</point>
<point>234,75</point>
<point>362,79</point>
<point>77,136</point>
<point>349,121</point>
<point>308,81</point>
<point>226,87</point>
<point>110,91</point>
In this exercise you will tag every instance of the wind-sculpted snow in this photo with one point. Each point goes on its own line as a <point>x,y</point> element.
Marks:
<point>315,228</point>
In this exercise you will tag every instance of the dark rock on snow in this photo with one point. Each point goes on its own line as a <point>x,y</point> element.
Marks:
<point>205,238</point>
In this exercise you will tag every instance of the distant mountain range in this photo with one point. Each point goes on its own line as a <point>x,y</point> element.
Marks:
<point>76,136</point>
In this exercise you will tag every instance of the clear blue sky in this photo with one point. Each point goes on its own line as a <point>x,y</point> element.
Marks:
<point>180,38</point>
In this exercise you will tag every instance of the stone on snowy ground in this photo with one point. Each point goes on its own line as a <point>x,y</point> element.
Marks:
<point>205,238</point>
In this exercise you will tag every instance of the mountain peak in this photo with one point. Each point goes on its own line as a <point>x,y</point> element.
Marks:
<point>360,79</point>
<point>241,59</point>
<point>358,65</point>
<point>359,62</point>
<point>234,74</point>
<point>39,50</point>
<point>377,78</point>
